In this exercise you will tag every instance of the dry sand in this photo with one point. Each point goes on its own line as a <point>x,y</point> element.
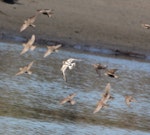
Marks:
<point>98,23</point>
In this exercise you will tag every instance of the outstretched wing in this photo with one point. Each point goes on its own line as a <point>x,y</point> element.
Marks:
<point>32,19</point>
<point>70,60</point>
<point>64,100</point>
<point>107,88</point>
<point>22,71</point>
<point>98,107</point>
<point>48,52</point>
<point>68,98</point>
<point>63,70</point>
<point>57,46</point>
<point>30,65</point>
<point>24,26</point>
<point>31,40</point>
<point>25,49</point>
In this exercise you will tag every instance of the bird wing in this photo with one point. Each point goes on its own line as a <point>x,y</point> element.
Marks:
<point>64,100</point>
<point>68,98</point>
<point>47,12</point>
<point>32,47</point>
<point>32,19</point>
<point>72,96</point>
<point>40,10</point>
<point>57,46</point>
<point>24,26</point>
<point>19,73</point>
<point>31,40</point>
<point>23,70</point>
<point>70,60</point>
<point>63,70</point>
<point>64,67</point>
<point>30,65</point>
<point>112,71</point>
<point>98,107</point>
<point>105,99</point>
<point>25,49</point>
<point>48,52</point>
<point>107,88</point>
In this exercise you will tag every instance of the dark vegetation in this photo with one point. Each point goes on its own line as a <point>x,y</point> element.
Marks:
<point>10,1</point>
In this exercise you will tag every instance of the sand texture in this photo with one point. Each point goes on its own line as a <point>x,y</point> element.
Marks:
<point>99,23</point>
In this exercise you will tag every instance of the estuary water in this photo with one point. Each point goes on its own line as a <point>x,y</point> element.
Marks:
<point>29,104</point>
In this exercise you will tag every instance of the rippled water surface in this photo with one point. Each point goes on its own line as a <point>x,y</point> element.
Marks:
<point>29,104</point>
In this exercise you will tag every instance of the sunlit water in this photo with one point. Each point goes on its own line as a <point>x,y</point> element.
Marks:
<point>29,104</point>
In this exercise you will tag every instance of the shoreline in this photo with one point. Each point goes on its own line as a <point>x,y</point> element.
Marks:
<point>100,26</point>
<point>78,47</point>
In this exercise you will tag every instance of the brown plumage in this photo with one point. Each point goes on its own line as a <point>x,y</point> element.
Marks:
<point>28,22</point>
<point>47,12</point>
<point>69,99</point>
<point>98,67</point>
<point>129,99</point>
<point>52,49</point>
<point>25,69</point>
<point>105,97</point>
<point>111,73</point>
<point>28,45</point>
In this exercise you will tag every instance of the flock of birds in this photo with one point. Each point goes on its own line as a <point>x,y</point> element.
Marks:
<point>68,64</point>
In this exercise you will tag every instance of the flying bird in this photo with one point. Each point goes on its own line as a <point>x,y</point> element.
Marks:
<point>111,73</point>
<point>129,99</point>
<point>28,22</point>
<point>146,26</point>
<point>69,99</point>
<point>25,69</point>
<point>98,67</point>
<point>47,12</point>
<point>105,97</point>
<point>52,49</point>
<point>68,64</point>
<point>29,45</point>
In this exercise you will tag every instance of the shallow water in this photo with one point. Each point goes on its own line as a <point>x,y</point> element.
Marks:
<point>29,104</point>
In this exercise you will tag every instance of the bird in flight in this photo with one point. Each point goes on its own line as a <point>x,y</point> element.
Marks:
<point>52,49</point>
<point>146,26</point>
<point>111,73</point>
<point>98,67</point>
<point>48,12</point>
<point>69,99</point>
<point>28,22</point>
<point>105,97</point>
<point>29,45</point>
<point>25,69</point>
<point>129,99</point>
<point>68,64</point>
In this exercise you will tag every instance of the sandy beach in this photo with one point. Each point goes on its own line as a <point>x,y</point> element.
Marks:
<point>104,24</point>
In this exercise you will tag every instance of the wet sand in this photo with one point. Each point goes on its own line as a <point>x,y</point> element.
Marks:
<point>100,24</point>
<point>30,104</point>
